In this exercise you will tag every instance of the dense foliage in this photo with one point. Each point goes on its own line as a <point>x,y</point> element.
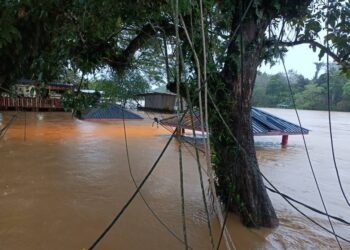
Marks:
<point>108,88</point>
<point>273,91</point>
<point>78,102</point>
<point>41,38</point>
<point>121,88</point>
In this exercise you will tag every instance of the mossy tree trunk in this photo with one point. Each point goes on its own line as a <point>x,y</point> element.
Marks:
<point>239,183</point>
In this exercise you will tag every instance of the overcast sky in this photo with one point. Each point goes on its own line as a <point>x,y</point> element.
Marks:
<point>299,58</point>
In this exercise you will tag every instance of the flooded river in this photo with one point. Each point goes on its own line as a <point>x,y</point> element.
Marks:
<point>62,181</point>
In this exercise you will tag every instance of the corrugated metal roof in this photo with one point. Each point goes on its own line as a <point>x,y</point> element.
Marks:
<point>266,123</point>
<point>61,84</point>
<point>57,84</point>
<point>263,124</point>
<point>109,112</point>
<point>156,93</point>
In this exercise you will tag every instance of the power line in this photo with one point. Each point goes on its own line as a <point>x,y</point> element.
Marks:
<point>199,167</point>
<point>233,39</point>
<point>308,206</point>
<point>25,126</point>
<point>330,121</point>
<point>233,36</point>
<point>183,214</point>
<point>156,216</point>
<point>267,180</point>
<point>206,113</point>
<point>287,196</point>
<point>4,130</point>
<point>120,213</point>
<point>189,103</point>
<point>302,213</point>
<point>307,150</point>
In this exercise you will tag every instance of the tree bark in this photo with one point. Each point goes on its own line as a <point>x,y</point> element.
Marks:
<point>239,182</point>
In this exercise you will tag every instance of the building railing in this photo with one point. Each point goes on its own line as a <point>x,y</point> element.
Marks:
<point>30,103</point>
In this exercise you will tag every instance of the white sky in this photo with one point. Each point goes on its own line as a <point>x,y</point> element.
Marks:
<point>299,58</point>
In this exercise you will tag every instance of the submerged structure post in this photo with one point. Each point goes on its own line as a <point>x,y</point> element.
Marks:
<point>263,124</point>
<point>284,140</point>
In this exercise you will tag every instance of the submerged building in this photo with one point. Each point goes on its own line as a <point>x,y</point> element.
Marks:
<point>158,101</point>
<point>109,112</point>
<point>263,123</point>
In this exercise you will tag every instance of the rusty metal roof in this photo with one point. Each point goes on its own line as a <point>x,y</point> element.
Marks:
<point>263,124</point>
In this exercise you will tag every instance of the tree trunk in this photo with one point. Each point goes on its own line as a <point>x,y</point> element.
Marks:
<point>239,183</point>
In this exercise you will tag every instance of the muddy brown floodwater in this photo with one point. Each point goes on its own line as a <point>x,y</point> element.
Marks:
<point>61,186</point>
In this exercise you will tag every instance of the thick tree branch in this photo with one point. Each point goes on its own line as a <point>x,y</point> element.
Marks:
<point>343,62</point>
<point>122,61</point>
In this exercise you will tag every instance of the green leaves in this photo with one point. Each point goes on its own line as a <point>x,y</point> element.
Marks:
<point>78,102</point>
<point>271,90</point>
<point>8,32</point>
<point>122,88</point>
<point>313,26</point>
<point>41,39</point>
<point>346,90</point>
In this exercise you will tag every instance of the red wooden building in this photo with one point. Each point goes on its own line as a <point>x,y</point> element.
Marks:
<point>27,103</point>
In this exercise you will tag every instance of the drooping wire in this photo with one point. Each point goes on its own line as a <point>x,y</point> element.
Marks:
<point>232,39</point>
<point>267,180</point>
<point>179,130</point>
<point>330,119</point>
<point>183,213</point>
<point>239,27</point>
<point>301,212</point>
<point>226,209</point>
<point>229,242</point>
<point>308,206</point>
<point>199,165</point>
<point>126,205</point>
<point>288,198</point>
<point>25,126</point>
<point>222,229</point>
<point>201,118</point>
<point>306,148</point>
<point>206,118</point>
<point>156,216</point>
<point>285,196</point>
<point>233,36</point>
<point>4,130</point>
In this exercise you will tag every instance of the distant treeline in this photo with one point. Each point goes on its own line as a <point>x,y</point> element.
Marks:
<point>273,91</point>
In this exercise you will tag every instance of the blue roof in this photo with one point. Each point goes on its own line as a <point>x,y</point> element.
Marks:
<point>26,81</point>
<point>61,84</point>
<point>109,112</point>
<point>57,84</point>
<point>263,123</point>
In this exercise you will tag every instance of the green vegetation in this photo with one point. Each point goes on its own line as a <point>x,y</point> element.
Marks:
<point>121,89</point>
<point>112,89</point>
<point>273,91</point>
<point>41,39</point>
<point>78,102</point>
